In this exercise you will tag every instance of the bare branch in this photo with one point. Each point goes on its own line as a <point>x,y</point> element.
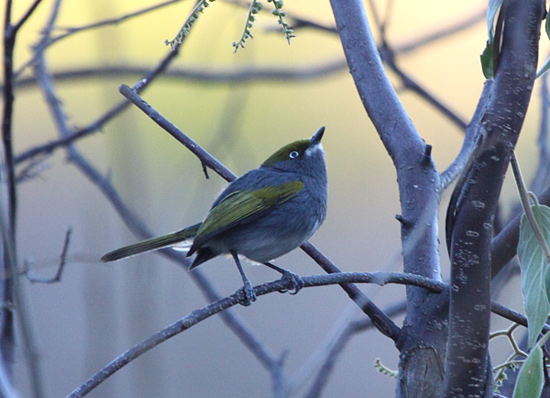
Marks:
<point>473,134</point>
<point>13,29</point>
<point>278,75</point>
<point>74,30</point>
<point>202,74</point>
<point>418,181</point>
<point>63,260</point>
<point>477,201</point>
<point>448,29</point>
<point>382,322</point>
<point>205,158</point>
<point>375,90</point>
<point>199,315</point>
<point>388,57</point>
<point>336,347</point>
<point>9,292</point>
<point>218,306</point>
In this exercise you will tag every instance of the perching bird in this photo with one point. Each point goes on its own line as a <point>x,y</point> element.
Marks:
<point>262,215</point>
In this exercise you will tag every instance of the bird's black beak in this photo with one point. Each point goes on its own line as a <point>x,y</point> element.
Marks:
<point>316,139</point>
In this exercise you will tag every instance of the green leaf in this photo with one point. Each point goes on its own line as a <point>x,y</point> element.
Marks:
<point>531,376</point>
<point>487,61</point>
<point>546,64</point>
<point>486,56</point>
<point>492,9</point>
<point>534,270</point>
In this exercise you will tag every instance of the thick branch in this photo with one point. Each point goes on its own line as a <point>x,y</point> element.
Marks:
<point>375,90</point>
<point>467,361</point>
<point>423,343</point>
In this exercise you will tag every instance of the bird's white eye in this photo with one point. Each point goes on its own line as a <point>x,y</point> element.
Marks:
<point>293,154</point>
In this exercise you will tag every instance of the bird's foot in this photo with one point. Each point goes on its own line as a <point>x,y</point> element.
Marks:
<point>249,294</point>
<point>296,281</point>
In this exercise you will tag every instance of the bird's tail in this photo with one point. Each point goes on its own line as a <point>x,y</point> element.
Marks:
<point>152,244</point>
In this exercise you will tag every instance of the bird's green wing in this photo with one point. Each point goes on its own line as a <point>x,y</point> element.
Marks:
<point>243,206</point>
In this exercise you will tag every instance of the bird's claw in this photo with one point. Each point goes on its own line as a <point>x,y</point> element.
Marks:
<point>296,281</point>
<point>249,294</point>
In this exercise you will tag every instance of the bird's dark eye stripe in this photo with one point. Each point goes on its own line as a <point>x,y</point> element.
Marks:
<point>293,154</point>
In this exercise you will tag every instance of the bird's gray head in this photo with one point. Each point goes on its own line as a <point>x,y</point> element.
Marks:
<point>303,156</point>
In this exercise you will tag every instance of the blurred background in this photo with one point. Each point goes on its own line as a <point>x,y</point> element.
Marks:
<point>98,311</point>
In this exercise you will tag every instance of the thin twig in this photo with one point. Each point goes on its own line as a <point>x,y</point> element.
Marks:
<point>245,74</point>
<point>10,34</point>
<point>111,21</point>
<point>205,158</point>
<point>204,75</point>
<point>335,348</point>
<point>62,261</point>
<point>377,20</point>
<point>70,137</point>
<point>388,56</point>
<point>449,28</point>
<point>524,196</point>
<point>330,360</point>
<point>84,28</point>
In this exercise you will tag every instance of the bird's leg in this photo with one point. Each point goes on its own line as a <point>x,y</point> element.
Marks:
<point>296,280</point>
<point>249,293</point>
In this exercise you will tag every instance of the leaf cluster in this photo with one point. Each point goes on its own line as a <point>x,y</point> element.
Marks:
<point>255,8</point>
<point>280,14</point>
<point>189,22</point>
<point>489,56</point>
<point>535,275</point>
